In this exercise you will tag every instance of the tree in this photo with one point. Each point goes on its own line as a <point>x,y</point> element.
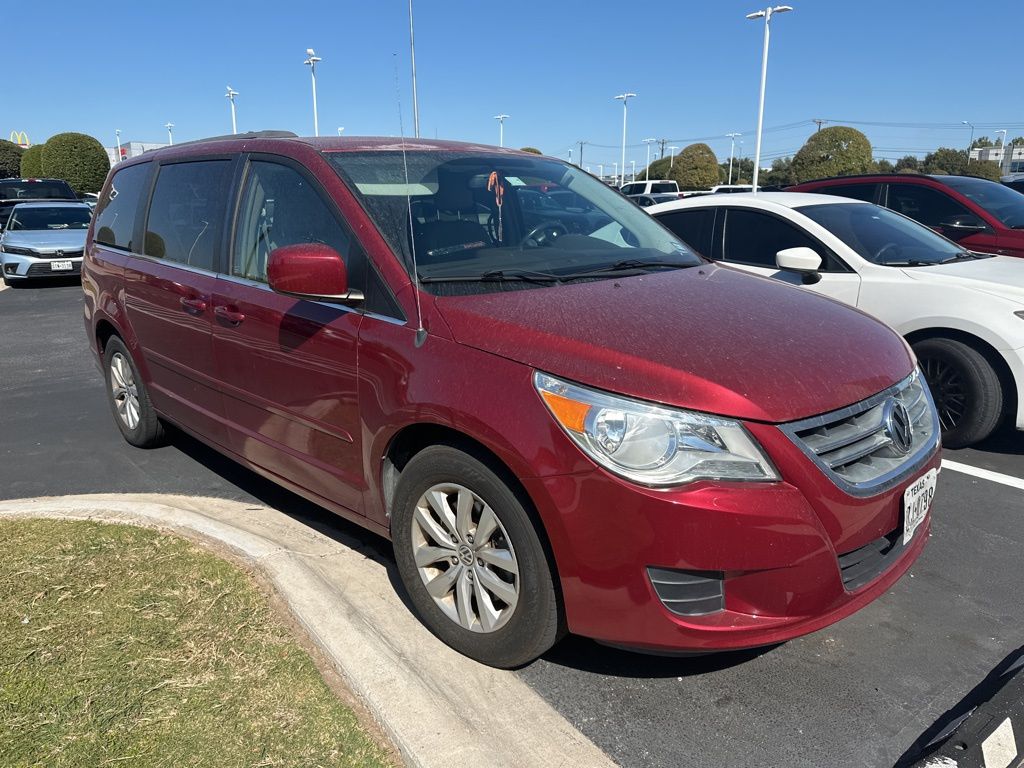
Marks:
<point>781,174</point>
<point>908,164</point>
<point>10,159</point>
<point>742,168</point>
<point>1019,141</point>
<point>983,169</point>
<point>78,159</point>
<point>696,167</point>
<point>945,161</point>
<point>982,142</point>
<point>884,166</point>
<point>835,151</point>
<point>532,150</point>
<point>32,161</point>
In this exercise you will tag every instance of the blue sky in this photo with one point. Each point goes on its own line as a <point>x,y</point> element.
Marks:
<point>553,66</point>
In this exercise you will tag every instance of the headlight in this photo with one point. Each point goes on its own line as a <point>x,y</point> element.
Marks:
<point>1020,314</point>
<point>17,251</point>
<point>650,444</point>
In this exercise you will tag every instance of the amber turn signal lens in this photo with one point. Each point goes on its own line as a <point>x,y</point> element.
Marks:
<point>571,414</point>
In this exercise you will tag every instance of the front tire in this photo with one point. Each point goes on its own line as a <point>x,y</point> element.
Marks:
<point>966,390</point>
<point>471,560</point>
<point>129,401</point>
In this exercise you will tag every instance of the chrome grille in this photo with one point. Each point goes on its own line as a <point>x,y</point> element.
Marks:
<point>860,447</point>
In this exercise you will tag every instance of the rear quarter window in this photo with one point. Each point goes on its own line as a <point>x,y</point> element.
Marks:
<point>865,192</point>
<point>117,208</point>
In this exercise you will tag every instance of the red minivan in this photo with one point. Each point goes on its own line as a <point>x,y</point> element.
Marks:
<point>979,214</point>
<point>562,417</point>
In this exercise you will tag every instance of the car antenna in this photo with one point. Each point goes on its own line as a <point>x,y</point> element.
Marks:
<point>421,333</point>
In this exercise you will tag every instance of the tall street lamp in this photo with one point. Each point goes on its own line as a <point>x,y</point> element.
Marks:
<point>624,97</point>
<point>647,170</point>
<point>766,14</point>
<point>632,170</point>
<point>600,171</point>
<point>732,150</point>
<point>311,60</point>
<point>970,145</point>
<point>231,97</point>
<point>170,133</point>
<point>341,129</point>
<point>117,133</point>
<point>501,128</point>
<point>672,157</point>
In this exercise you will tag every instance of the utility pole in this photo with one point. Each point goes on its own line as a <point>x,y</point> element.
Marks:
<point>581,143</point>
<point>819,122</point>
<point>662,143</point>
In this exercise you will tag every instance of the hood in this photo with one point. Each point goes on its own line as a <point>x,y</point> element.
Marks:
<point>706,338</point>
<point>1001,276</point>
<point>46,239</point>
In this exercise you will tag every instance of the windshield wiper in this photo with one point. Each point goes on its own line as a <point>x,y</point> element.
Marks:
<point>965,256</point>
<point>495,276</point>
<point>909,263</point>
<point>628,265</point>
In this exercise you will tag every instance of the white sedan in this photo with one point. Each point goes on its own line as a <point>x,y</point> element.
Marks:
<point>963,313</point>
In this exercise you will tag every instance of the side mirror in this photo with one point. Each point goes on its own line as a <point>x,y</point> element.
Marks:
<point>310,271</point>
<point>964,224</point>
<point>803,260</point>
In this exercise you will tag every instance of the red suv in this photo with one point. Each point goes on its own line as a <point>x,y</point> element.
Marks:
<point>562,423</point>
<point>981,215</point>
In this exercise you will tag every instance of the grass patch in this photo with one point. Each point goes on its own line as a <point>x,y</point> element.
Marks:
<point>124,646</point>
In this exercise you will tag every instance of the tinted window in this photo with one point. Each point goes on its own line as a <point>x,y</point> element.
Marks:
<point>27,189</point>
<point>694,227</point>
<point>115,212</point>
<point>927,205</point>
<point>997,200</point>
<point>633,189</point>
<point>55,217</point>
<point>753,237</point>
<point>186,216</point>
<point>865,192</point>
<point>279,207</point>
<point>665,186</point>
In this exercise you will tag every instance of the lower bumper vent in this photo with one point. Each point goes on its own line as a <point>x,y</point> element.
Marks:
<point>689,593</point>
<point>868,562</point>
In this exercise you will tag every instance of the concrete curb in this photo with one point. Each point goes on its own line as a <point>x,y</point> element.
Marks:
<point>439,708</point>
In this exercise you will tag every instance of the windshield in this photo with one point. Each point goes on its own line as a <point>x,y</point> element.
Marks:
<point>50,218</point>
<point>35,190</point>
<point>882,236</point>
<point>491,216</point>
<point>1005,204</point>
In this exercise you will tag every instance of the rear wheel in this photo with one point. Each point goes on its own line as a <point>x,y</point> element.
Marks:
<point>965,387</point>
<point>129,401</point>
<point>472,561</point>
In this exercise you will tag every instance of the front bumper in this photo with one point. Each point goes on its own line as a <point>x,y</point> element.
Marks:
<point>776,548</point>
<point>15,266</point>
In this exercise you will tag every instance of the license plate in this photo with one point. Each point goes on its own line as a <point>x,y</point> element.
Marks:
<point>916,501</point>
<point>61,266</point>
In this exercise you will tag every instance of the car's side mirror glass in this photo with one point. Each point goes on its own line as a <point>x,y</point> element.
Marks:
<point>964,224</point>
<point>310,271</point>
<point>802,260</point>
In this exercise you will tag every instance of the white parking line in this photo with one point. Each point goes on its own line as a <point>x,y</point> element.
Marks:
<point>984,474</point>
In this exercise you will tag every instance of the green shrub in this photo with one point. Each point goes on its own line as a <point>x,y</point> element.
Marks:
<point>533,150</point>
<point>32,162</point>
<point>696,167</point>
<point>10,159</point>
<point>78,159</point>
<point>835,151</point>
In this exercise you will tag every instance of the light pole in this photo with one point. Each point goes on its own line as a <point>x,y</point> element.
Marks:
<point>672,157</point>
<point>600,171</point>
<point>767,15</point>
<point>311,60</point>
<point>1002,147</point>
<point>970,145</point>
<point>231,97</point>
<point>570,155</point>
<point>412,56</point>
<point>170,133</point>
<point>732,150</point>
<point>501,128</point>
<point>632,170</point>
<point>647,170</point>
<point>615,174</point>
<point>117,133</point>
<point>341,129</point>
<point>625,97</point>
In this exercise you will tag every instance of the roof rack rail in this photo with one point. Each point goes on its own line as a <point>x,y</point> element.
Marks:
<point>248,135</point>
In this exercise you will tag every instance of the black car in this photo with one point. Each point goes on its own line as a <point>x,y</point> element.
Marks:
<point>14,191</point>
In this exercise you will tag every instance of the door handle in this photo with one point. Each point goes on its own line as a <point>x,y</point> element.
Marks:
<point>232,316</point>
<point>193,305</point>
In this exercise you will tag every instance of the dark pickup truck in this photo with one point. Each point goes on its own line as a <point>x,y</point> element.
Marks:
<point>14,191</point>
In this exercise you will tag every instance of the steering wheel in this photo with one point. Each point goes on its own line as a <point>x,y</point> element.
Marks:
<point>544,233</point>
<point>885,249</point>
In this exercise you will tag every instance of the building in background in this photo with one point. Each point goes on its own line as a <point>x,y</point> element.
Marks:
<point>1011,162</point>
<point>131,149</point>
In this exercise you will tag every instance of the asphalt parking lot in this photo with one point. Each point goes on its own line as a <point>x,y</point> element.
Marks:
<point>856,694</point>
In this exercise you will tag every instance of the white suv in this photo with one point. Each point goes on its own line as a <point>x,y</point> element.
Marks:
<point>650,187</point>
<point>962,312</point>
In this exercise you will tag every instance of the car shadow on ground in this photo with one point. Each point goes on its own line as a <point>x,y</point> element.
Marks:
<point>1006,440</point>
<point>38,283</point>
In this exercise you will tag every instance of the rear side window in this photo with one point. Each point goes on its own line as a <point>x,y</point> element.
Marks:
<point>186,215</point>
<point>279,207</point>
<point>753,237</point>
<point>694,227</point>
<point>115,212</point>
<point>633,189</point>
<point>924,204</point>
<point>663,187</point>
<point>865,192</point>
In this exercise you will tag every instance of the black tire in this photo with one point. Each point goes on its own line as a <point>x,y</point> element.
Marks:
<point>966,390</point>
<point>536,622</point>
<point>149,431</point>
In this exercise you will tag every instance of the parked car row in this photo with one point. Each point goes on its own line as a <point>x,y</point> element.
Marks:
<point>564,418</point>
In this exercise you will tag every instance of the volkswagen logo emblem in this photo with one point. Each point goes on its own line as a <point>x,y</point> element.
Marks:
<point>896,421</point>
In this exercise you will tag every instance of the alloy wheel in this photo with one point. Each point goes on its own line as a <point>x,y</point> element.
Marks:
<point>464,558</point>
<point>124,390</point>
<point>948,389</point>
